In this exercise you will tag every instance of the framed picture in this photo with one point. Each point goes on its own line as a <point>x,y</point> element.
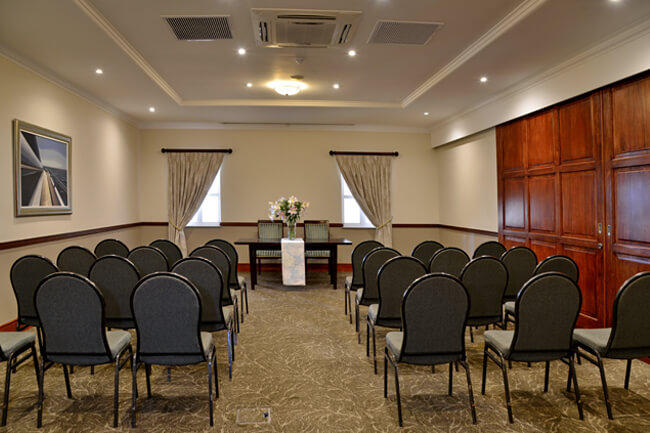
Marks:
<point>41,171</point>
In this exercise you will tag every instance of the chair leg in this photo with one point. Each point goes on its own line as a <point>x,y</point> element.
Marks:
<point>471,334</point>
<point>451,377</point>
<point>67,380</point>
<point>210,404</point>
<point>470,391</point>
<point>485,356</point>
<point>134,389</point>
<point>575,385</point>
<point>628,368</point>
<point>216,377</point>
<point>246,297</point>
<point>605,391</point>
<point>5,401</point>
<point>546,373</point>
<point>386,372</point>
<point>41,392</point>
<point>147,374</point>
<point>35,358</point>
<point>345,299</point>
<point>367,339</point>
<point>507,388</point>
<point>399,403</point>
<point>374,350</point>
<point>230,356</point>
<point>115,392</point>
<point>356,321</point>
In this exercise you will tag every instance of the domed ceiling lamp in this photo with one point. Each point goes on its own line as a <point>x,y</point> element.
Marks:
<point>288,87</point>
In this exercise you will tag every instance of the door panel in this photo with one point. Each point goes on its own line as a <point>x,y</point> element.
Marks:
<point>511,138</point>
<point>541,190</point>
<point>541,139</point>
<point>632,209</point>
<point>589,263</point>
<point>628,115</point>
<point>576,130</point>
<point>543,249</point>
<point>515,203</point>
<point>513,241</point>
<point>579,204</point>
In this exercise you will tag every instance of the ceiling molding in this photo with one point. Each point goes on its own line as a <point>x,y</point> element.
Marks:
<point>128,49</point>
<point>283,126</point>
<point>599,49</point>
<point>64,84</point>
<point>510,20</point>
<point>287,103</point>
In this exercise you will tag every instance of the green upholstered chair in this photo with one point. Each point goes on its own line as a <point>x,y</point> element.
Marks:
<point>317,230</point>
<point>272,231</point>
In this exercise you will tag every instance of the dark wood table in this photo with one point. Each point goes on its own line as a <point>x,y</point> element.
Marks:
<point>330,245</point>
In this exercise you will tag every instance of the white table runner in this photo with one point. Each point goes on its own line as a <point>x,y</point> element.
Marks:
<point>293,262</point>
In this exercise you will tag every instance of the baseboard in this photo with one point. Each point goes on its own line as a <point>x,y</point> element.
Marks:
<point>9,326</point>
<point>277,267</point>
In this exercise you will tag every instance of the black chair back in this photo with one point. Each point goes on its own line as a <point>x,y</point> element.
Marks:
<point>559,263</point>
<point>520,262</point>
<point>231,252</point>
<point>116,277</point>
<point>485,279</point>
<point>546,310</point>
<point>25,275</point>
<point>111,246</point>
<point>434,312</point>
<point>630,335</point>
<point>450,260</point>
<point>75,259</point>
<point>393,278</point>
<point>167,311</point>
<point>425,250</point>
<point>219,259</point>
<point>148,260</point>
<point>169,249</point>
<point>71,312</point>
<point>209,282</point>
<point>370,269</point>
<point>358,255</point>
<point>490,248</point>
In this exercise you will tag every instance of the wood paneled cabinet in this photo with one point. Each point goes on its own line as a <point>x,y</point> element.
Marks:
<point>574,179</point>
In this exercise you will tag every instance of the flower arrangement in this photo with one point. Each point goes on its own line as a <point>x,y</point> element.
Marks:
<point>289,211</point>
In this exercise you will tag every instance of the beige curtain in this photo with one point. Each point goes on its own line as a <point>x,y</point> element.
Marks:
<point>368,177</point>
<point>190,178</point>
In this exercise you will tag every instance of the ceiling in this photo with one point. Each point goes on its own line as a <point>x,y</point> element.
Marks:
<point>510,42</point>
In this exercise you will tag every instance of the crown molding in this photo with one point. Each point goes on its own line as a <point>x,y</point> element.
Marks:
<point>284,126</point>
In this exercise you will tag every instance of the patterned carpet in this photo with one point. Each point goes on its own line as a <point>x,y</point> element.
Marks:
<point>299,368</point>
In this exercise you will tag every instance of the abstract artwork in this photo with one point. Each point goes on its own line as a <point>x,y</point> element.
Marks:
<point>41,171</point>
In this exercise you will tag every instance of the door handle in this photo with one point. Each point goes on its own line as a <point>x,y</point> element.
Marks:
<point>600,245</point>
<point>609,229</point>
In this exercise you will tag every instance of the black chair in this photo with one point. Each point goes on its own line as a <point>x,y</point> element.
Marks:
<point>12,345</point>
<point>434,310</point>
<point>167,312</point>
<point>355,281</point>
<point>485,279</point>
<point>25,275</point>
<point>272,231</point>
<point>111,246</point>
<point>75,259</point>
<point>520,262</point>
<point>556,263</point>
<point>425,250</point>
<point>116,277</point>
<point>370,268</point>
<point>71,312</point>
<point>169,249</point>
<point>629,336</point>
<point>222,262</point>
<point>393,278</point>
<point>547,308</point>
<point>490,248</point>
<point>450,260</point>
<point>148,260</point>
<point>209,282</point>
<point>235,282</point>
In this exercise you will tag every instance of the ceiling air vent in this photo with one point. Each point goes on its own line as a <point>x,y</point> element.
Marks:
<point>403,32</point>
<point>205,28</point>
<point>279,28</point>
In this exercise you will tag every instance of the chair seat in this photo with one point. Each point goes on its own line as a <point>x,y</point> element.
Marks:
<point>117,341</point>
<point>510,307</point>
<point>394,342</point>
<point>14,341</point>
<point>596,339</point>
<point>372,312</point>
<point>317,253</point>
<point>500,340</point>
<point>269,253</point>
<point>348,282</point>
<point>206,343</point>
<point>359,295</point>
<point>242,283</point>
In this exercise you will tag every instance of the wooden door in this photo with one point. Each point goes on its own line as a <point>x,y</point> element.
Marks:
<point>627,183</point>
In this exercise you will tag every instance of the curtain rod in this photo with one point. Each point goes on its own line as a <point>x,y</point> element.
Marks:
<point>163,150</point>
<point>334,152</point>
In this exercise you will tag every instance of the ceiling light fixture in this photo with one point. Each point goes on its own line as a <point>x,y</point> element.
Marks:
<point>249,84</point>
<point>287,87</point>
<point>483,79</point>
<point>426,113</point>
<point>152,109</point>
<point>241,51</point>
<point>336,85</point>
<point>352,53</point>
<point>99,71</point>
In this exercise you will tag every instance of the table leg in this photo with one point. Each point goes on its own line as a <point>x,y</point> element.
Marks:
<point>333,265</point>
<point>252,254</point>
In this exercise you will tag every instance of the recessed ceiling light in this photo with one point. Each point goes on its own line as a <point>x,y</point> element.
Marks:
<point>152,109</point>
<point>352,53</point>
<point>483,79</point>
<point>241,51</point>
<point>249,84</point>
<point>99,71</point>
<point>426,113</point>
<point>336,85</point>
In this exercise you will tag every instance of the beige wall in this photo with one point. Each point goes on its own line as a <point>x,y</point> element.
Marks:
<point>104,154</point>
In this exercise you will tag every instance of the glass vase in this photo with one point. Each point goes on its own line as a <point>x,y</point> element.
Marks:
<point>291,230</point>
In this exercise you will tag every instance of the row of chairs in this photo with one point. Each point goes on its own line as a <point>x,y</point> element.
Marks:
<point>167,311</point>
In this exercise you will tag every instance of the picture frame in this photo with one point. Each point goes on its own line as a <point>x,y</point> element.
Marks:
<point>42,169</point>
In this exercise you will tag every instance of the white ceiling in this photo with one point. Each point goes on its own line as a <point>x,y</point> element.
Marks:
<point>509,41</point>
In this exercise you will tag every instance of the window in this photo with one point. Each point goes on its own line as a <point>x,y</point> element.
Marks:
<point>209,214</point>
<point>353,216</point>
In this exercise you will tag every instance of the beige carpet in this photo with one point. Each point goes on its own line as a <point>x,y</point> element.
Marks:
<point>298,357</point>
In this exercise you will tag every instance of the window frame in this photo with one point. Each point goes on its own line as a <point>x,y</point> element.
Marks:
<point>199,212</point>
<point>365,222</point>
